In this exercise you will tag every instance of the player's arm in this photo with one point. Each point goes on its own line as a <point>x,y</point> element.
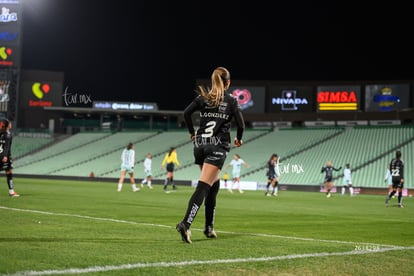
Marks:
<point>164,161</point>
<point>238,116</point>
<point>6,147</point>
<point>188,111</point>
<point>402,173</point>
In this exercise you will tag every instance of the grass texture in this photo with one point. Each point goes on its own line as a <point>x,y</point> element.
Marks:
<point>64,227</point>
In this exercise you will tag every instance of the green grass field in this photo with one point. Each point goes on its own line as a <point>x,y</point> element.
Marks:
<point>60,227</point>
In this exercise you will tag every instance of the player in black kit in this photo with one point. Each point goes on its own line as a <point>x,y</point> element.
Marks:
<point>328,170</point>
<point>216,109</point>
<point>272,174</point>
<point>397,174</point>
<point>6,161</point>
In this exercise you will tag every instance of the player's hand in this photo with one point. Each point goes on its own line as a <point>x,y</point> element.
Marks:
<point>237,142</point>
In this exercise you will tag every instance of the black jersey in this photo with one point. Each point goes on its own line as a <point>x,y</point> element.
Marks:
<point>271,169</point>
<point>5,144</point>
<point>5,150</point>
<point>397,170</point>
<point>215,122</point>
<point>329,172</point>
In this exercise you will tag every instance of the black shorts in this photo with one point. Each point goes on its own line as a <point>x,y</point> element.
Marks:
<point>170,167</point>
<point>211,154</point>
<point>397,185</point>
<point>271,176</point>
<point>4,166</point>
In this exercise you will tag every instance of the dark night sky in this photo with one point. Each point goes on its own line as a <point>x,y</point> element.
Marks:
<point>150,51</point>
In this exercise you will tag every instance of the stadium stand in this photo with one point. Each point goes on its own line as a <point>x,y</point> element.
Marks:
<point>23,145</point>
<point>303,151</point>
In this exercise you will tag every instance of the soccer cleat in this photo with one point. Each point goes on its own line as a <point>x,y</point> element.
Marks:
<point>400,206</point>
<point>387,201</point>
<point>150,187</point>
<point>241,191</point>
<point>184,231</point>
<point>14,194</point>
<point>210,233</point>
<point>142,185</point>
<point>135,190</point>
<point>328,195</point>
<point>274,194</point>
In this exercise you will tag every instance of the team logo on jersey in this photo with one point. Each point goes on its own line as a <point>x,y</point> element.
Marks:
<point>222,107</point>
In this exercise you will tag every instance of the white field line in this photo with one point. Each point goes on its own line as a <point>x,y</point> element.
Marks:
<point>194,262</point>
<point>192,229</point>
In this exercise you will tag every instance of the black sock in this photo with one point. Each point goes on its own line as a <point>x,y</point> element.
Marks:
<point>210,204</point>
<point>195,202</point>
<point>10,181</point>
<point>167,181</point>
<point>399,198</point>
<point>391,194</point>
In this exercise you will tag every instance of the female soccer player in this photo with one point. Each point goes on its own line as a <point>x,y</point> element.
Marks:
<point>216,108</point>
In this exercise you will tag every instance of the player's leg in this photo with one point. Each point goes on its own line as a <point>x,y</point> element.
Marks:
<point>391,194</point>
<point>132,181</point>
<point>329,187</point>
<point>207,173</point>
<point>269,182</point>
<point>121,179</point>
<point>400,197</point>
<point>275,187</point>
<point>10,184</point>
<point>167,180</point>
<point>149,181</point>
<point>210,210</point>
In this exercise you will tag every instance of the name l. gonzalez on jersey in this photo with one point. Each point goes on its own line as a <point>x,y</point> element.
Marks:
<point>214,115</point>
